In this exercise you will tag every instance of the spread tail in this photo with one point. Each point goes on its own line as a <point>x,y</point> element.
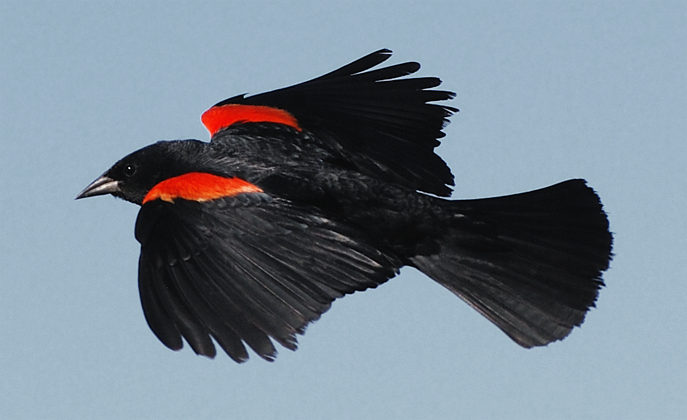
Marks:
<point>531,263</point>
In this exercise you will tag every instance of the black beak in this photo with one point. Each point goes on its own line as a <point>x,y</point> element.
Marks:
<point>101,186</point>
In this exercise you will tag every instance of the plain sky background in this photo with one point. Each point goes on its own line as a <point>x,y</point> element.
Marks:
<point>547,91</point>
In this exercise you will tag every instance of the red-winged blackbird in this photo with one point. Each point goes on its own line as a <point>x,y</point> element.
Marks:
<point>308,193</point>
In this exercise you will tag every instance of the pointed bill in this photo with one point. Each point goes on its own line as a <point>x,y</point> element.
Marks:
<point>101,186</point>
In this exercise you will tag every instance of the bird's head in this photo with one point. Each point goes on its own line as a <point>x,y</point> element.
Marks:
<point>132,177</point>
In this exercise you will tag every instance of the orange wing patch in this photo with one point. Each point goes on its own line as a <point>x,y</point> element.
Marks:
<point>199,186</point>
<point>219,117</point>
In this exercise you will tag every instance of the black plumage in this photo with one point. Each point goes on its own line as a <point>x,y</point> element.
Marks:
<point>311,192</point>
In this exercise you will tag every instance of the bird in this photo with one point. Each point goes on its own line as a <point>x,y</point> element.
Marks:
<point>315,191</point>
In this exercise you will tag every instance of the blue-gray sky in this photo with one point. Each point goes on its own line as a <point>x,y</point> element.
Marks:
<point>547,91</point>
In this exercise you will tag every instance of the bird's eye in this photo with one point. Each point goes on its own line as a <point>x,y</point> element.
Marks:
<point>129,170</point>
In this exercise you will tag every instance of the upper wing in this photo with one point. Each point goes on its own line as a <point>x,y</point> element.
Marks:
<point>245,268</point>
<point>383,125</point>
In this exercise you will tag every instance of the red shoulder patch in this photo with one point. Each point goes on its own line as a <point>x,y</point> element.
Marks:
<point>219,117</point>
<point>199,186</point>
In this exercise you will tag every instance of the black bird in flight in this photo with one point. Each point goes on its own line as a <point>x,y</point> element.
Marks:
<point>311,192</point>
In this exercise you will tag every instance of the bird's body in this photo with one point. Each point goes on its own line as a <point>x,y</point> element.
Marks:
<point>312,192</point>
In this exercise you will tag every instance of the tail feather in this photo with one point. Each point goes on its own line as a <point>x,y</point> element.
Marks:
<point>531,263</point>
